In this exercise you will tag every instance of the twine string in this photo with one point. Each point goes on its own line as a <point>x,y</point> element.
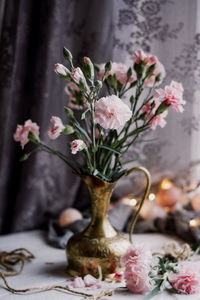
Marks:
<point>18,256</point>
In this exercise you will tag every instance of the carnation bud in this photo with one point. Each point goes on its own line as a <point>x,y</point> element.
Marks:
<point>98,84</point>
<point>68,130</point>
<point>108,66</point>
<point>150,70</point>
<point>67,54</point>
<point>61,71</point>
<point>88,68</point>
<point>69,111</point>
<point>158,77</point>
<point>140,69</point>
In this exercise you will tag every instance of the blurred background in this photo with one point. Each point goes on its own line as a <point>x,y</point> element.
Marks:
<point>32,35</point>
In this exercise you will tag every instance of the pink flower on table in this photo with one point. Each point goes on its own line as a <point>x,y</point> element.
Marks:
<point>77,145</point>
<point>55,131</point>
<point>111,112</point>
<point>77,75</point>
<point>87,281</point>
<point>137,253</point>
<point>188,278</point>
<point>91,282</point>
<point>149,60</point>
<point>22,132</point>
<point>76,282</point>
<point>119,69</point>
<point>137,278</point>
<point>60,69</point>
<point>158,120</point>
<point>172,94</point>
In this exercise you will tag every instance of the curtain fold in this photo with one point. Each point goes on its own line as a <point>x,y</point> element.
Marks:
<point>33,34</point>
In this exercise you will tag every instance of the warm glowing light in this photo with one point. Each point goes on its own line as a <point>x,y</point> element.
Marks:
<point>193,223</point>
<point>152,197</point>
<point>133,202</point>
<point>166,184</point>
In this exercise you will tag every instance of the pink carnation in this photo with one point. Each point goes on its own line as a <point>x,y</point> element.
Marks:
<point>172,94</point>
<point>119,69</point>
<point>60,69</point>
<point>111,112</point>
<point>136,253</point>
<point>158,120</point>
<point>140,56</point>
<point>77,75</point>
<point>137,278</point>
<point>77,145</point>
<point>55,131</point>
<point>188,278</point>
<point>22,132</point>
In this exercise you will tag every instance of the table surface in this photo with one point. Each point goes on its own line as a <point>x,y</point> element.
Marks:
<point>49,268</point>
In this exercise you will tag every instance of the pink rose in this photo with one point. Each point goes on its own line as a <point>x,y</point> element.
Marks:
<point>119,69</point>
<point>158,120</point>
<point>135,254</point>
<point>77,75</point>
<point>111,112</point>
<point>137,278</point>
<point>187,279</point>
<point>56,129</point>
<point>22,132</point>
<point>77,145</point>
<point>172,94</point>
<point>150,60</point>
<point>60,69</point>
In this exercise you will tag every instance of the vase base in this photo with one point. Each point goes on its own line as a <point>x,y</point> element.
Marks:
<point>86,254</point>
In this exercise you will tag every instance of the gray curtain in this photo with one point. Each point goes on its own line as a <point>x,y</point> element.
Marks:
<point>33,33</point>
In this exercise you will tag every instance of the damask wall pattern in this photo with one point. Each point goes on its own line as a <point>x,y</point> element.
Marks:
<point>169,29</point>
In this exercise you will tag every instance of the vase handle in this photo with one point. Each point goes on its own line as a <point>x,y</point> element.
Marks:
<point>148,178</point>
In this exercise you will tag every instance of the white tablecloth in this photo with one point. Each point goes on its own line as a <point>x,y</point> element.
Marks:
<point>49,268</point>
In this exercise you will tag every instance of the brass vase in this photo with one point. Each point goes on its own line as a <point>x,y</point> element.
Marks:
<point>100,244</point>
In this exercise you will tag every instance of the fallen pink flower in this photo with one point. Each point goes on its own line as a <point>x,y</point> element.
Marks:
<point>91,282</point>
<point>137,278</point>
<point>187,279</point>
<point>22,132</point>
<point>76,282</point>
<point>118,277</point>
<point>135,254</point>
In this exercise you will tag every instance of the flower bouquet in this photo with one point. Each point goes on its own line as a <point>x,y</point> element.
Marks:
<point>107,128</point>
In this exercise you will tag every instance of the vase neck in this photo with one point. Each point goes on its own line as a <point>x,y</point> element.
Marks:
<point>100,193</point>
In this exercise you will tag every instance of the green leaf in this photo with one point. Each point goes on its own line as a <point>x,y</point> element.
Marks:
<point>83,132</point>
<point>84,114</point>
<point>25,156</point>
<point>69,111</point>
<point>110,149</point>
<point>129,161</point>
<point>129,73</point>
<point>68,130</point>
<point>154,292</point>
<point>97,68</point>
<point>133,84</point>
